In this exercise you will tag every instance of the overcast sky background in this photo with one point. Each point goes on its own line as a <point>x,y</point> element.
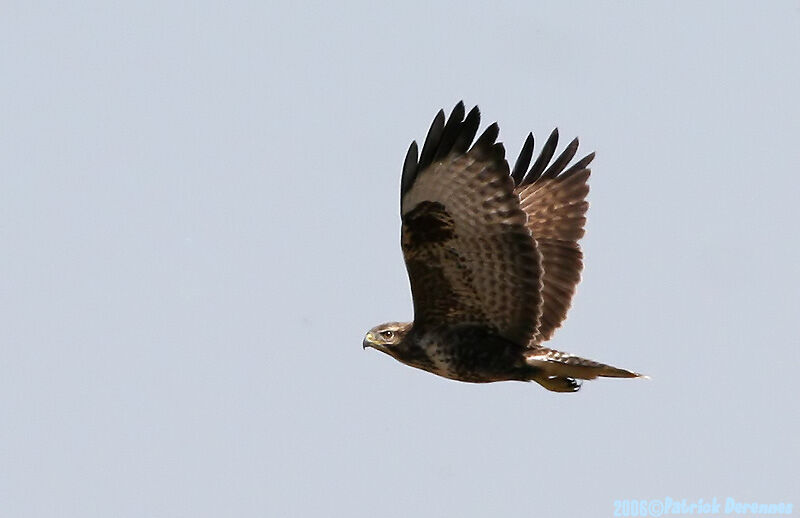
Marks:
<point>199,222</point>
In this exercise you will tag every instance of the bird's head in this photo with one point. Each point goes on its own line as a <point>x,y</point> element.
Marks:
<point>387,337</point>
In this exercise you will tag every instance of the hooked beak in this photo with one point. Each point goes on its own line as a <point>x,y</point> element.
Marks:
<point>369,341</point>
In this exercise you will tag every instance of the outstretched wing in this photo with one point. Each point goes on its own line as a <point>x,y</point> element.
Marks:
<point>469,256</point>
<point>555,203</point>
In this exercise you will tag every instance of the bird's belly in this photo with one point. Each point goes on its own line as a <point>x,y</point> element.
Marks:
<point>461,363</point>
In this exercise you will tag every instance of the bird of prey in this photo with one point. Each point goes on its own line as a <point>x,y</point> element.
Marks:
<point>493,258</point>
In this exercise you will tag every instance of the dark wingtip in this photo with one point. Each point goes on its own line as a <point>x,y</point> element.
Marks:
<point>455,134</point>
<point>580,164</point>
<point>487,139</point>
<point>451,130</point>
<point>563,159</point>
<point>458,111</point>
<point>523,161</point>
<point>432,140</point>
<point>446,135</point>
<point>468,130</point>
<point>409,168</point>
<point>543,159</point>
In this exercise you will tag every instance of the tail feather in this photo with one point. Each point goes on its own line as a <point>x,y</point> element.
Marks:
<point>560,370</point>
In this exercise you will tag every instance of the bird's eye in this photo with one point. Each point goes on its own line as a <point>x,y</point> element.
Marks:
<point>387,335</point>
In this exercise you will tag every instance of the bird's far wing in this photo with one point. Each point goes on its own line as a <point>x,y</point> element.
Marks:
<point>554,200</point>
<point>469,256</point>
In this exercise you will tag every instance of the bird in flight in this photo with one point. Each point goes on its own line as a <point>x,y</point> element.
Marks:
<point>493,258</point>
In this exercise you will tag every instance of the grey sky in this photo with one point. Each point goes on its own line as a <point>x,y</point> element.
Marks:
<point>199,215</point>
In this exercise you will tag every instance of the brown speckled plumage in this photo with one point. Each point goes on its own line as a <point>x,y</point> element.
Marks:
<point>492,256</point>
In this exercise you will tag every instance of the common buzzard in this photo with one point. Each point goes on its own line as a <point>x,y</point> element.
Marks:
<point>493,258</point>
